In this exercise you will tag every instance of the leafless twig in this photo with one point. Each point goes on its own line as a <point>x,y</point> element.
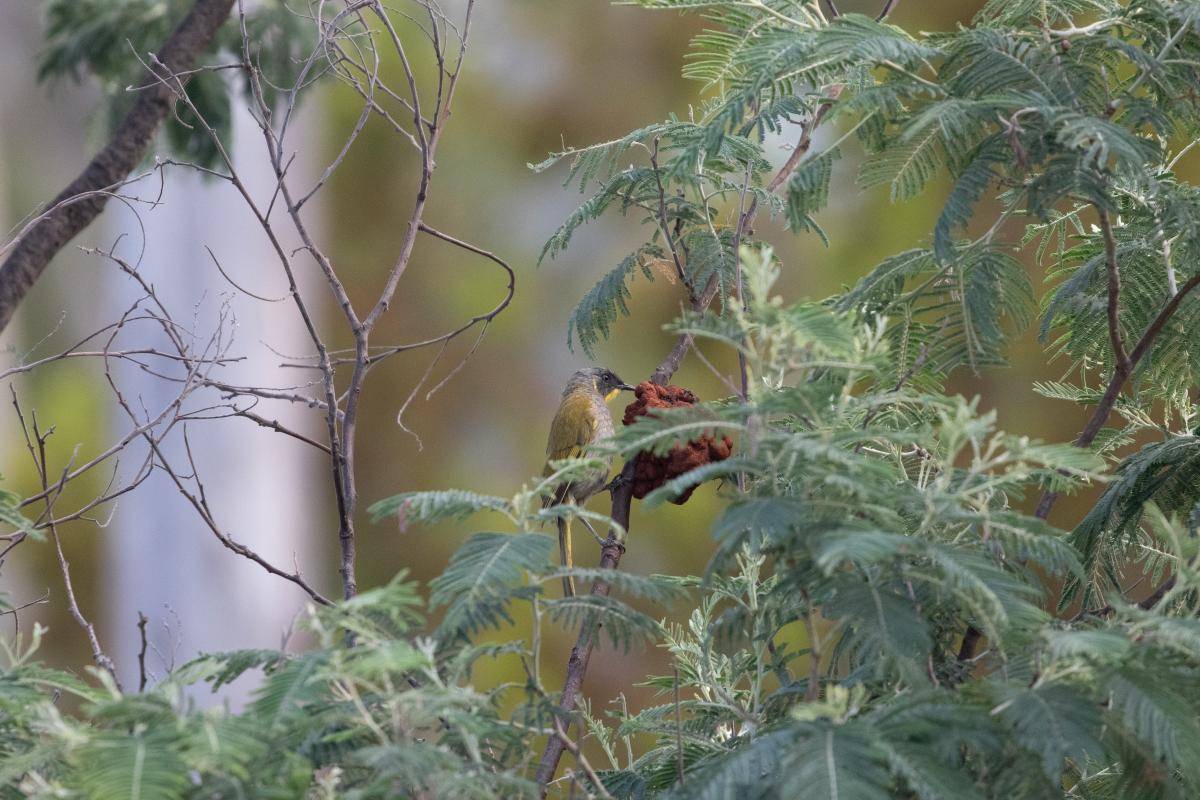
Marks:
<point>141,625</point>
<point>353,41</point>
<point>36,445</point>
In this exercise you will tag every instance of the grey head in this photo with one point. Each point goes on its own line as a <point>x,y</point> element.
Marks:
<point>600,380</point>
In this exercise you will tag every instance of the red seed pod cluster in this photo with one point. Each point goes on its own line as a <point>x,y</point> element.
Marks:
<point>652,471</point>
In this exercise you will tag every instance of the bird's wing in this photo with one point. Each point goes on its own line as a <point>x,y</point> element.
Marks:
<point>573,428</point>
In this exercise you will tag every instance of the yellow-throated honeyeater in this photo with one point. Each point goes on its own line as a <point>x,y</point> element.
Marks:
<point>582,420</point>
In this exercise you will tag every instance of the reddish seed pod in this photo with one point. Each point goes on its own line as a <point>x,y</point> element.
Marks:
<point>651,471</point>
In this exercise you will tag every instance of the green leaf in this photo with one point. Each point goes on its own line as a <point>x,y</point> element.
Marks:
<point>138,765</point>
<point>431,507</point>
<point>836,761</point>
<point>595,613</point>
<point>289,690</point>
<point>1055,722</point>
<point>1158,715</point>
<point>969,186</point>
<point>883,625</point>
<point>11,516</point>
<point>481,578</point>
<point>592,319</point>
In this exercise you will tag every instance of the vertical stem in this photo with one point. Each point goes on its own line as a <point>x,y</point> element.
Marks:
<point>98,654</point>
<point>678,726</point>
<point>813,690</point>
<point>1114,294</point>
<point>141,625</point>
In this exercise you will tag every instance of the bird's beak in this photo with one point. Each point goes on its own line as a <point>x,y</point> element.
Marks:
<point>617,390</point>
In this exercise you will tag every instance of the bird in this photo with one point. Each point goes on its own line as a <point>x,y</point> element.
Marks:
<point>582,420</point>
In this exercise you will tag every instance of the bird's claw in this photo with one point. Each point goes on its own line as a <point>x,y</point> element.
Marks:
<point>616,483</point>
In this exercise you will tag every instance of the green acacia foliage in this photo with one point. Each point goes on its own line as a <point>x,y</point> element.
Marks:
<point>387,717</point>
<point>874,526</point>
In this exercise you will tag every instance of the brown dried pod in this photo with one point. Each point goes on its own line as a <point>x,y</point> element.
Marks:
<point>651,471</point>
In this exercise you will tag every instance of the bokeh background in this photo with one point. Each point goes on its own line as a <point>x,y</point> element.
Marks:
<point>540,74</point>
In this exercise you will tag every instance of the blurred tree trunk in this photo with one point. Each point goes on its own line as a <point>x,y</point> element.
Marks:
<point>83,200</point>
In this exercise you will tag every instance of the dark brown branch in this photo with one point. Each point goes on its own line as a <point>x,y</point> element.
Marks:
<point>663,372</point>
<point>1120,375</point>
<point>118,158</point>
<point>561,736</point>
<point>1155,597</point>
<point>141,625</point>
<point>888,7</point>
<point>1121,371</point>
<point>1146,603</point>
<point>801,148</point>
<point>1114,296</point>
<point>581,653</point>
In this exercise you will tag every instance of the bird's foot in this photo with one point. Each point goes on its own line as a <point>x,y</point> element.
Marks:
<point>616,483</point>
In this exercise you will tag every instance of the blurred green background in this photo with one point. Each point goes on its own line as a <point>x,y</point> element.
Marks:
<point>540,74</point>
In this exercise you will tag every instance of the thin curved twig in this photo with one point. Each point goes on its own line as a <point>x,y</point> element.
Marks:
<point>888,7</point>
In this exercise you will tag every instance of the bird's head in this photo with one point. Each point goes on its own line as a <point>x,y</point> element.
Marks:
<point>603,382</point>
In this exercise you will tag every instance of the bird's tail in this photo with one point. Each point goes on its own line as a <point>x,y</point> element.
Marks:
<point>566,556</point>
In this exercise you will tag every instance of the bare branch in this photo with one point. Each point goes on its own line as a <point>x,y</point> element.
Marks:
<point>1119,378</point>
<point>584,764</point>
<point>40,464</point>
<point>1114,296</point>
<point>273,424</point>
<point>672,246</point>
<point>141,625</point>
<point>887,9</point>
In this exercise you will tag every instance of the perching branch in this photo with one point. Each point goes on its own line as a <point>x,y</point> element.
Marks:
<point>110,167</point>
